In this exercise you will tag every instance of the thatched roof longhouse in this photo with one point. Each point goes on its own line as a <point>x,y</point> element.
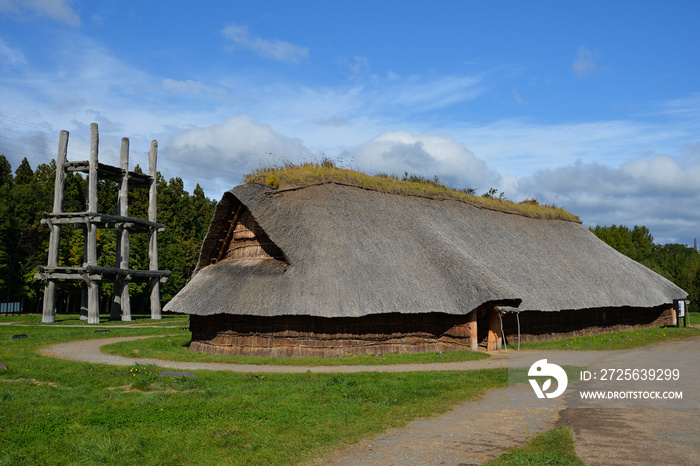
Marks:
<point>351,252</point>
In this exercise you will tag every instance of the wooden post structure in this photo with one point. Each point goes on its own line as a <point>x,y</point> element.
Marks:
<point>153,232</point>
<point>495,334</point>
<point>91,243</point>
<point>84,285</point>
<point>90,274</point>
<point>121,305</point>
<point>49,310</point>
<point>473,334</point>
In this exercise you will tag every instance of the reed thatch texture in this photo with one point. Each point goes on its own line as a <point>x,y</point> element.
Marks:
<point>349,252</point>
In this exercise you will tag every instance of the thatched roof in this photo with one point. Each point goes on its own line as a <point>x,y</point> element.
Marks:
<point>350,252</point>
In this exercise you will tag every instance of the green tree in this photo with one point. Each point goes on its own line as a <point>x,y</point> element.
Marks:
<point>24,239</point>
<point>676,262</point>
<point>24,173</point>
<point>6,228</point>
<point>5,171</point>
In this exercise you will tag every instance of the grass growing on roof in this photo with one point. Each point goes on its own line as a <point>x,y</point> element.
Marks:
<point>66,412</point>
<point>292,175</point>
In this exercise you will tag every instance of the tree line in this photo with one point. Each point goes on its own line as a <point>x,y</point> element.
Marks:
<point>28,193</point>
<point>677,262</point>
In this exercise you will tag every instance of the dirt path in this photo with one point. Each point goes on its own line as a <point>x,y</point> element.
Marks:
<point>89,351</point>
<point>661,434</point>
<point>471,433</point>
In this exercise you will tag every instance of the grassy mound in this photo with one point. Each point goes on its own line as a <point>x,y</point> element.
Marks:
<point>297,175</point>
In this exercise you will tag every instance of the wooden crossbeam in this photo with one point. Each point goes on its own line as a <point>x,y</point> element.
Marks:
<point>101,220</point>
<point>229,234</point>
<point>108,172</point>
<point>97,273</point>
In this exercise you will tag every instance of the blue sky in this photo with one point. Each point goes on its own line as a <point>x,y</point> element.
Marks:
<point>593,106</point>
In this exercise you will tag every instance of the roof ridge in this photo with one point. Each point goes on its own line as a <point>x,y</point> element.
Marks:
<point>273,191</point>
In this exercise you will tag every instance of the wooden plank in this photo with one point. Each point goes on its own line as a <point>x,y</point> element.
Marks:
<point>102,220</point>
<point>109,278</point>
<point>229,235</point>
<point>113,271</point>
<point>133,273</point>
<point>108,172</point>
<point>153,235</point>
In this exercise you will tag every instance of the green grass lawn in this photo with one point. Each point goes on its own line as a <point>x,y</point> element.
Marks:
<point>623,340</point>
<point>63,412</point>
<point>74,319</point>
<point>555,447</point>
<point>176,348</point>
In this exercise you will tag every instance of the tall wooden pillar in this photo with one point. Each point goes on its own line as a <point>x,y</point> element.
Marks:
<point>473,334</point>
<point>84,285</point>
<point>49,310</point>
<point>93,288</point>
<point>153,232</point>
<point>495,333</point>
<point>121,305</point>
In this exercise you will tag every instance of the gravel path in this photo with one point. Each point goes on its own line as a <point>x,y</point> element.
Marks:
<point>471,433</point>
<point>627,432</point>
<point>89,351</point>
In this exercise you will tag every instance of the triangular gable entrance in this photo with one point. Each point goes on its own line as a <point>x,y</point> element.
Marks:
<point>246,240</point>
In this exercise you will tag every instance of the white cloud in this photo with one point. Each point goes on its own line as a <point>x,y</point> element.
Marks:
<point>358,66</point>
<point>397,152</point>
<point>274,49</point>
<point>372,106</point>
<point>521,146</point>
<point>584,65</point>
<point>663,175</point>
<point>11,56</point>
<point>56,10</point>
<point>219,156</point>
<point>685,107</point>
<point>660,193</point>
<point>333,121</point>
<point>191,87</point>
<point>422,94</point>
<point>516,97</point>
